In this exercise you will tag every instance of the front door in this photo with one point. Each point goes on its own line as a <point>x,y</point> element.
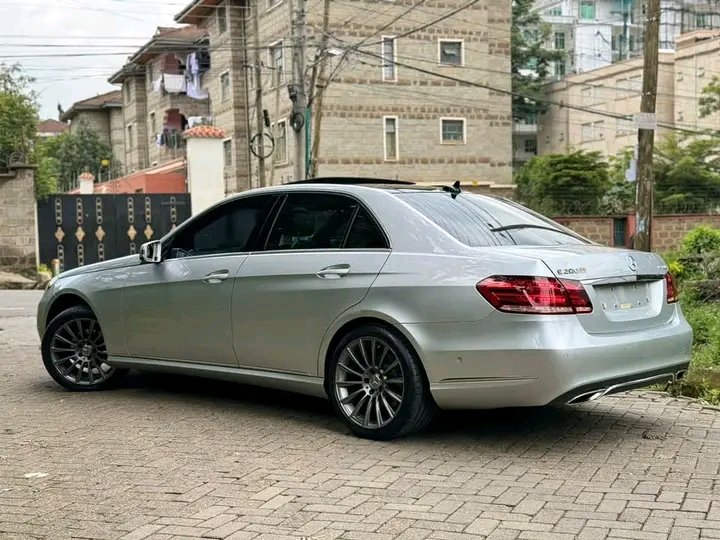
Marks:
<point>179,309</point>
<point>320,259</point>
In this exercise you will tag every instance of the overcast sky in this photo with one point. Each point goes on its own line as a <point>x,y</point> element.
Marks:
<point>52,39</point>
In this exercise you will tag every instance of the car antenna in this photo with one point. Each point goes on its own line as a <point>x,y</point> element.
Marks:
<point>454,190</point>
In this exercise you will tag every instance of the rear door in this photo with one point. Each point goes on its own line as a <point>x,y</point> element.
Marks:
<point>320,257</point>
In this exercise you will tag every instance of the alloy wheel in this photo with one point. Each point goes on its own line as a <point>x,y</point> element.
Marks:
<point>79,354</point>
<point>369,382</point>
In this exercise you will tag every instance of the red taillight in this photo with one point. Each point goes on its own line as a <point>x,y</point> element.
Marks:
<point>537,295</point>
<point>670,289</point>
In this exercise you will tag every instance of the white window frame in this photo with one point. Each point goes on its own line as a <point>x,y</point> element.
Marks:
<point>225,164</point>
<point>456,118</point>
<point>277,79</point>
<point>394,60</point>
<point>462,51</point>
<point>274,127</point>
<point>397,139</point>
<point>220,82</point>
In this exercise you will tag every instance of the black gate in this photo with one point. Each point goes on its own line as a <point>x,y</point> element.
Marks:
<point>83,229</point>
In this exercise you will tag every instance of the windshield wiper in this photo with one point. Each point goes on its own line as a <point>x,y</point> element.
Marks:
<point>530,226</point>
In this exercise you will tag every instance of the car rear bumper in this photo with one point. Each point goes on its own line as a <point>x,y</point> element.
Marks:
<point>533,363</point>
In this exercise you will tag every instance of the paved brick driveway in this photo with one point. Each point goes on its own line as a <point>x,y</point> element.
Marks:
<point>178,458</point>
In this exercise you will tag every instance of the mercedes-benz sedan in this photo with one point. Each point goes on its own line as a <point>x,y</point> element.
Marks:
<point>388,298</point>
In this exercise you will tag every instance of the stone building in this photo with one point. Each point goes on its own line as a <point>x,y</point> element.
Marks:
<point>103,114</point>
<point>155,103</point>
<point>616,89</point>
<point>380,116</point>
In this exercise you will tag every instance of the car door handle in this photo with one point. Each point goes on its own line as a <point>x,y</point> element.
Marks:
<point>334,272</point>
<point>216,277</point>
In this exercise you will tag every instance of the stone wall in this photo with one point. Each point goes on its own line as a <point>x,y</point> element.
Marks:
<point>597,229</point>
<point>668,230</point>
<point>17,218</point>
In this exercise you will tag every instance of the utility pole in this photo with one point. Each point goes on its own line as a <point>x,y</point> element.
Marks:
<point>316,98</point>
<point>258,96</point>
<point>296,89</point>
<point>646,137</point>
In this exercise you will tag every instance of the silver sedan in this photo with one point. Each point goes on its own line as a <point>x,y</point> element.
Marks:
<point>389,299</point>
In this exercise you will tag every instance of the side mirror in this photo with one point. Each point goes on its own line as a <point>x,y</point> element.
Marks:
<point>151,252</point>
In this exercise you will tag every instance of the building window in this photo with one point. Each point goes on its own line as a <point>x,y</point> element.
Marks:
<point>281,153</point>
<point>587,9</point>
<point>452,130</point>
<point>531,146</point>
<point>450,52</point>
<point>623,127</point>
<point>150,75</point>
<point>592,131</point>
<point>388,58</point>
<point>128,91</point>
<point>221,12</point>
<point>554,11</point>
<point>559,66</point>
<point>153,124</point>
<point>277,63</point>
<point>130,136</point>
<point>227,153</point>
<point>225,86</point>
<point>390,133</point>
<point>560,41</point>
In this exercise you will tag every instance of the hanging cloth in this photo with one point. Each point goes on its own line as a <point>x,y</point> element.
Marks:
<point>174,84</point>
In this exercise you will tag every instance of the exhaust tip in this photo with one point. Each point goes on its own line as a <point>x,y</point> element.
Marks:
<point>680,375</point>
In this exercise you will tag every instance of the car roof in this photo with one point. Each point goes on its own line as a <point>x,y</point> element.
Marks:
<point>355,184</point>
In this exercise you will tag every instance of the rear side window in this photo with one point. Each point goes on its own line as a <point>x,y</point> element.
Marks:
<point>479,221</point>
<point>323,221</point>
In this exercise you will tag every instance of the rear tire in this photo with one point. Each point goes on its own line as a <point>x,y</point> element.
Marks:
<point>377,386</point>
<point>74,352</point>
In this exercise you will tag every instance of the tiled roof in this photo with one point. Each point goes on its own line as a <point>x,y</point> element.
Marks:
<point>204,132</point>
<point>109,99</point>
<point>52,126</point>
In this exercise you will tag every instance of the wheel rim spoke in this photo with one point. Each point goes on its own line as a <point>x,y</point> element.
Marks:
<point>79,354</point>
<point>361,382</point>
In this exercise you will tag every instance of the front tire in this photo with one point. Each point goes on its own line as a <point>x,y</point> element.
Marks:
<point>377,386</point>
<point>74,352</point>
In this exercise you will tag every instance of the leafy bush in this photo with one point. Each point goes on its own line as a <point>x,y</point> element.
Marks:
<point>702,239</point>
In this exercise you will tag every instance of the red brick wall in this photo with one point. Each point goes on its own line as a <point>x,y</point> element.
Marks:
<point>668,230</point>
<point>597,229</point>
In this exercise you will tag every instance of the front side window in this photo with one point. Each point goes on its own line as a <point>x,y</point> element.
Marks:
<point>322,221</point>
<point>560,41</point>
<point>477,221</point>
<point>452,130</point>
<point>228,229</point>
<point>388,59</point>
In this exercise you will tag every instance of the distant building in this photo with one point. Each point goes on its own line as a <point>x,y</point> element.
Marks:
<point>51,128</point>
<point>616,89</point>
<point>103,115</point>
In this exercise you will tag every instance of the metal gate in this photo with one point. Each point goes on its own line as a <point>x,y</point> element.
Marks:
<point>84,229</point>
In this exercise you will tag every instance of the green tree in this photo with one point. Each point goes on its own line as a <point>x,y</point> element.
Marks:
<point>687,174</point>
<point>710,99</point>
<point>557,184</point>
<point>65,157</point>
<point>532,55</point>
<point>18,114</point>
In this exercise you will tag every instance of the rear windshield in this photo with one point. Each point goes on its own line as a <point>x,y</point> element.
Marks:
<point>474,220</point>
